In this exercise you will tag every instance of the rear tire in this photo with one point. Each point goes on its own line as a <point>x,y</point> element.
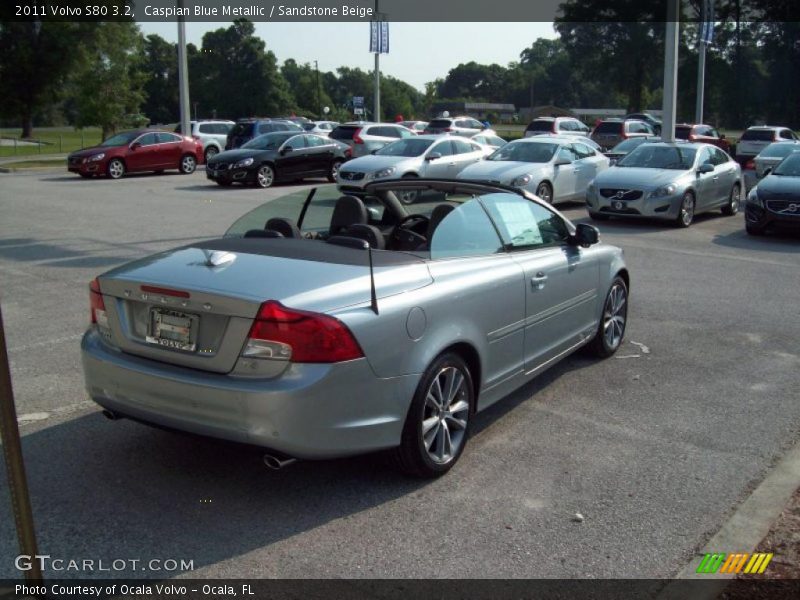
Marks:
<point>734,201</point>
<point>334,171</point>
<point>611,329</point>
<point>210,153</point>
<point>188,164</point>
<point>437,425</point>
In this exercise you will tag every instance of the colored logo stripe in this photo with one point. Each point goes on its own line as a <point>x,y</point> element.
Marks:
<point>734,563</point>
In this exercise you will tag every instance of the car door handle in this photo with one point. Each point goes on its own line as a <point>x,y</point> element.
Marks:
<point>538,281</point>
<point>715,177</point>
<point>452,164</point>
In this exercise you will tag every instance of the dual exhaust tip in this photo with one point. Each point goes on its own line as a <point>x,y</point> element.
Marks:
<point>273,461</point>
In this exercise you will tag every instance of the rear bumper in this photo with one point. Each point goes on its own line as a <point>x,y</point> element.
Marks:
<point>311,411</point>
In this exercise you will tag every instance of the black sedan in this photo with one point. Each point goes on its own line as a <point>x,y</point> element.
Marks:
<point>283,155</point>
<point>775,201</point>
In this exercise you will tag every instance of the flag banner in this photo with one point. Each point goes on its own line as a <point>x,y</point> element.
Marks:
<point>373,36</point>
<point>384,37</point>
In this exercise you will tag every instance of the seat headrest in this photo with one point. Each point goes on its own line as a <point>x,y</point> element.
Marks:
<point>349,210</point>
<point>369,233</point>
<point>286,227</point>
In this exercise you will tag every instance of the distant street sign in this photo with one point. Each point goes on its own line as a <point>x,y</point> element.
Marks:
<point>358,101</point>
<point>358,111</point>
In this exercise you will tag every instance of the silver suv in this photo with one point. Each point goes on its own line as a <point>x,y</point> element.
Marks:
<point>611,132</point>
<point>756,138</point>
<point>365,138</point>
<point>558,125</point>
<point>466,126</point>
<point>212,134</point>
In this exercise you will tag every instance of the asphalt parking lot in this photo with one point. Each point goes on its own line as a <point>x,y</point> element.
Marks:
<point>655,447</point>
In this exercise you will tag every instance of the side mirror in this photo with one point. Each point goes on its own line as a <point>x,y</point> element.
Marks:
<point>135,146</point>
<point>433,156</point>
<point>706,168</point>
<point>585,235</point>
<point>562,161</point>
<point>767,171</point>
<point>286,149</point>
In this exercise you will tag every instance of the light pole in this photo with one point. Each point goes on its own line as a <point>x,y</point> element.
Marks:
<point>377,114</point>
<point>183,76</point>
<point>319,106</point>
<point>670,71</point>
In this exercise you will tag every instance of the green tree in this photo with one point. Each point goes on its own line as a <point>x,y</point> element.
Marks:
<point>235,75</point>
<point>37,58</point>
<point>108,85</point>
<point>159,61</point>
<point>307,87</point>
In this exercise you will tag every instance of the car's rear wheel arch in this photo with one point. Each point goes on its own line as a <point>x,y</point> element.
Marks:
<point>470,356</point>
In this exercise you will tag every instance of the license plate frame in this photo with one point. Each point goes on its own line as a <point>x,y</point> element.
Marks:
<point>181,329</point>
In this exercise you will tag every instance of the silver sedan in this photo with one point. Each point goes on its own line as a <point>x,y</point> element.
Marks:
<point>553,168</point>
<point>667,181</point>
<point>773,154</point>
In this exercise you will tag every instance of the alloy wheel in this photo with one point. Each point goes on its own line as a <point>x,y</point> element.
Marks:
<point>444,420</point>
<point>614,316</point>
<point>543,191</point>
<point>116,169</point>
<point>687,210</point>
<point>266,176</point>
<point>188,164</point>
<point>211,152</point>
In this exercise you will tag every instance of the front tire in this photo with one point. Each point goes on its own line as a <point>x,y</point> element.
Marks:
<point>732,207</point>
<point>265,176</point>
<point>188,164</point>
<point>611,329</point>
<point>545,192</point>
<point>333,174</point>
<point>437,425</point>
<point>115,168</point>
<point>410,196</point>
<point>686,211</point>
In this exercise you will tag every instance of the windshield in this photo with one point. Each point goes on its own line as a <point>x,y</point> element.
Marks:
<point>268,141</point>
<point>407,147</point>
<point>540,126</point>
<point>630,144</point>
<point>789,166</point>
<point>779,150</point>
<point>532,152</point>
<point>651,156</point>
<point>121,139</point>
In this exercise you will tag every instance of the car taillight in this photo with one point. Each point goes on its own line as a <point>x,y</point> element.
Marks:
<point>282,333</point>
<point>348,152</point>
<point>357,138</point>
<point>97,307</point>
<point>447,130</point>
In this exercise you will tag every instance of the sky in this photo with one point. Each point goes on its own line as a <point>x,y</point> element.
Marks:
<point>419,52</point>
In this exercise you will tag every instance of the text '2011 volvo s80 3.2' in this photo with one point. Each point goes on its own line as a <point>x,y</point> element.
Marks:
<point>325,325</point>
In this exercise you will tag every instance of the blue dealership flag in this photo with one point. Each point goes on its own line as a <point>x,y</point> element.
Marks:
<point>384,37</point>
<point>379,37</point>
<point>373,36</point>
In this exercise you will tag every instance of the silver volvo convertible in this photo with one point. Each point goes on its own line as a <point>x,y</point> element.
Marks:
<point>324,325</point>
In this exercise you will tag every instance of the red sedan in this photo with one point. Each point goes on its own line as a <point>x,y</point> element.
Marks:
<point>702,133</point>
<point>139,150</point>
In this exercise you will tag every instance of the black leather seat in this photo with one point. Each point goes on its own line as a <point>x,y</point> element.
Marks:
<point>262,233</point>
<point>348,211</point>
<point>439,212</point>
<point>369,233</point>
<point>286,227</point>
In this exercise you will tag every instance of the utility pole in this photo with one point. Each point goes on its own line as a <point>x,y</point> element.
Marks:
<point>704,39</point>
<point>15,467</point>
<point>377,68</point>
<point>183,76</point>
<point>319,105</point>
<point>670,71</point>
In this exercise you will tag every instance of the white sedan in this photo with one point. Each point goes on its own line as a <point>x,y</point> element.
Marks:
<point>431,156</point>
<point>555,169</point>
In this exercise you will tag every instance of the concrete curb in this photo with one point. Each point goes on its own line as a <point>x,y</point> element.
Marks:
<point>743,531</point>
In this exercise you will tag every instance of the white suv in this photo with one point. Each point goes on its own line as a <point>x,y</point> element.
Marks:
<point>557,125</point>
<point>755,139</point>
<point>212,134</point>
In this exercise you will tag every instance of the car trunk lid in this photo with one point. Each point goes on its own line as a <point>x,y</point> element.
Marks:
<point>194,306</point>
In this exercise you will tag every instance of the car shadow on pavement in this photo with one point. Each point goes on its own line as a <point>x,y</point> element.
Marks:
<point>123,490</point>
<point>209,187</point>
<point>777,241</point>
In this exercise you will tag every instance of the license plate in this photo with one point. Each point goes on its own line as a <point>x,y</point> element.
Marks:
<point>619,205</point>
<point>173,329</point>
